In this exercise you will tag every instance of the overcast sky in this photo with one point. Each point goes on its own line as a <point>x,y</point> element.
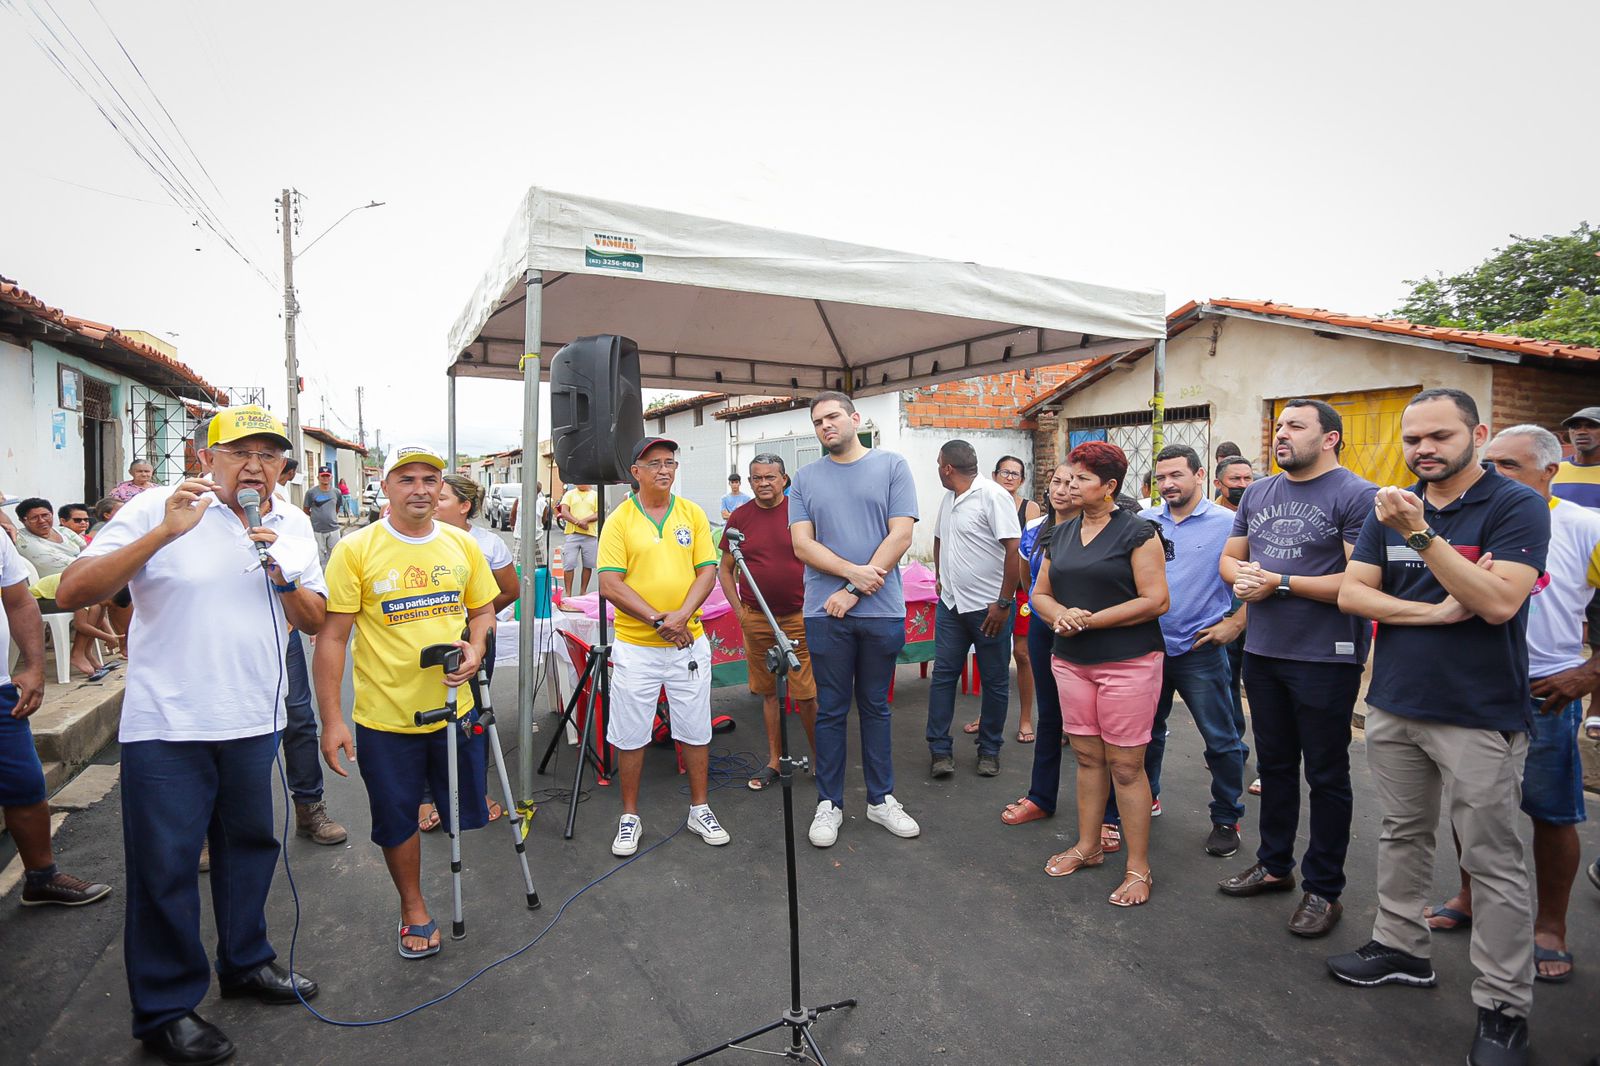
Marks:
<point>1311,154</point>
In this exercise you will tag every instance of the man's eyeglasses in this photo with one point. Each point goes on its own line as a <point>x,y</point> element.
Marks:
<point>244,455</point>
<point>659,464</point>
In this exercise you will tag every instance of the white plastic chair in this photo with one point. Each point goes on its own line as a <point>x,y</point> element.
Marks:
<point>59,625</point>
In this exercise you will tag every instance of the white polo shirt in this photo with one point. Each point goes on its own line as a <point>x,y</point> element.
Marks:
<point>12,571</point>
<point>205,657</point>
<point>971,558</point>
<point>1562,593</point>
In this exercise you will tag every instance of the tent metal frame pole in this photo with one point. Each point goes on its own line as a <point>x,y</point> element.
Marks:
<point>1158,404</point>
<point>527,654</point>
<point>450,419</point>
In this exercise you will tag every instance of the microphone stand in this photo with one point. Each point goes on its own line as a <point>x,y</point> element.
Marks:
<point>780,658</point>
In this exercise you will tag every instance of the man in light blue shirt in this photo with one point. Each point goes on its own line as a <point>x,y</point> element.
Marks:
<point>736,497</point>
<point>1197,629</point>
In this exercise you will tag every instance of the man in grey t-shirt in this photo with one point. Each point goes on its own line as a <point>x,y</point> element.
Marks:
<point>1292,535</point>
<point>850,515</point>
<point>322,504</point>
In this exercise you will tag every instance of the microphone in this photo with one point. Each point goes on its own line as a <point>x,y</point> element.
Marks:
<point>734,536</point>
<point>250,500</point>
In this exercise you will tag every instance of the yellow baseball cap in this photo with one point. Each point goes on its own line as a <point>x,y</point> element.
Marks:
<point>236,423</point>
<point>413,453</point>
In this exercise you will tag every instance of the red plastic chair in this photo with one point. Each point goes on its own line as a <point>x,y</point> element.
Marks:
<point>578,650</point>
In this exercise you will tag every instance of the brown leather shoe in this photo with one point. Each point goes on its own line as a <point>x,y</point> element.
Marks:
<point>1253,882</point>
<point>311,820</point>
<point>1315,916</point>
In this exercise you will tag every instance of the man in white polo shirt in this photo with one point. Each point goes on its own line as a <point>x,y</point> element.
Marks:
<point>200,722</point>
<point>975,558</point>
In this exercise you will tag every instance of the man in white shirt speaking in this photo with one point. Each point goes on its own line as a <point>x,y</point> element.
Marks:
<point>975,558</point>
<point>200,722</point>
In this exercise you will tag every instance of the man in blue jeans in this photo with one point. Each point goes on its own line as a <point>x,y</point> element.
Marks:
<point>1197,629</point>
<point>975,559</point>
<point>850,516</point>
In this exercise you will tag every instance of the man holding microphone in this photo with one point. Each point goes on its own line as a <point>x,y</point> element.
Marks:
<point>200,719</point>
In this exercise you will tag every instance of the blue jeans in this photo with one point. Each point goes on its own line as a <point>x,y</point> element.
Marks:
<point>1201,678</point>
<point>302,757</point>
<point>1046,719</point>
<point>854,657</point>
<point>176,795</point>
<point>1235,687</point>
<point>1552,778</point>
<point>1301,713</point>
<point>954,634</point>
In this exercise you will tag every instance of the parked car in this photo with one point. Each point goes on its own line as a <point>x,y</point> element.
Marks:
<point>497,508</point>
<point>371,500</point>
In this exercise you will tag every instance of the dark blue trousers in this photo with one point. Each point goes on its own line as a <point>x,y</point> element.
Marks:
<point>1301,713</point>
<point>954,634</point>
<point>302,757</point>
<point>1235,688</point>
<point>1046,718</point>
<point>175,794</point>
<point>854,657</point>
<point>1201,678</point>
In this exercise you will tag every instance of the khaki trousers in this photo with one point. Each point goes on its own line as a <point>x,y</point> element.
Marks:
<point>1412,762</point>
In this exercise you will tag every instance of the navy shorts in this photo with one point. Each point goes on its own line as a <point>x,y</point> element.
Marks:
<point>395,766</point>
<point>1552,780</point>
<point>21,776</point>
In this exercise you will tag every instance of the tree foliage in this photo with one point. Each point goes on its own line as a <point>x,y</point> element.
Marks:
<point>1544,287</point>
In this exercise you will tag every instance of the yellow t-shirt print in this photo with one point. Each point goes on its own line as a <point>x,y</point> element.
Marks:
<point>406,594</point>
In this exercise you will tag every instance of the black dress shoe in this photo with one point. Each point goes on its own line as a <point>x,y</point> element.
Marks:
<point>1253,882</point>
<point>1315,916</point>
<point>189,1041</point>
<point>271,984</point>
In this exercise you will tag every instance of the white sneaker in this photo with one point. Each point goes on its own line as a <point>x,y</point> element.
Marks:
<point>627,841</point>
<point>825,826</point>
<point>893,817</point>
<point>705,823</point>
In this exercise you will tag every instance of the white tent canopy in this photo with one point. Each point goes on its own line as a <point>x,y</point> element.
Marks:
<point>730,307</point>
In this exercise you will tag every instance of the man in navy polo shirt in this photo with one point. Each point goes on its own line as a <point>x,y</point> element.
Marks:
<point>1446,568</point>
<point>1197,629</point>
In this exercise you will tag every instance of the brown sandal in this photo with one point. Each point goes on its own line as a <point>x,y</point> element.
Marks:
<point>1024,810</point>
<point>1110,838</point>
<point>1127,879</point>
<point>1055,866</point>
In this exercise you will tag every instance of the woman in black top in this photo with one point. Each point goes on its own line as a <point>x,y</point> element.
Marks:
<point>1103,589</point>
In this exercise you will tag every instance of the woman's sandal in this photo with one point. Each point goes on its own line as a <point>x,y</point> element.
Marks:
<point>1129,878</point>
<point>496,812</point>
<point>1056,867</point>
<point>973,726</point>
<point>1591,727</point>
<point>427,823</point>
<point>1110,838</point>
<point>1023,810</point>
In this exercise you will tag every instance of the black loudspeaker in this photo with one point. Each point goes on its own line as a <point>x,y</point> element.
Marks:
<point>596,409</point>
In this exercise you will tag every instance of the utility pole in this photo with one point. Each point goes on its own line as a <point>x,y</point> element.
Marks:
<point>361,425</point>
<point>288,220</point>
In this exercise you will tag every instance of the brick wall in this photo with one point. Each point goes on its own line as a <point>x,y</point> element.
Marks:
<point>988,402</point>
<point>1539,395</point>
<point>1046,452</point>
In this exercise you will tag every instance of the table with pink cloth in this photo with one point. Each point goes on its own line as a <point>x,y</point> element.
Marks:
<point>726,636</point>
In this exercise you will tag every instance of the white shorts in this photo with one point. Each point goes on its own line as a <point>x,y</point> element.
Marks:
<point>639,673</point>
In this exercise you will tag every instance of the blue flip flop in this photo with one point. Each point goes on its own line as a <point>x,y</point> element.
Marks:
<point>1551,955</point>
<point>1461,919</point>
<point>425,932</point>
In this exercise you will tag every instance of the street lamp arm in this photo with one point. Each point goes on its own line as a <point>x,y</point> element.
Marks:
<point>330,229</point>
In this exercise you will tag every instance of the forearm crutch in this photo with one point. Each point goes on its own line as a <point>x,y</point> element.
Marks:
<point>448,656</point>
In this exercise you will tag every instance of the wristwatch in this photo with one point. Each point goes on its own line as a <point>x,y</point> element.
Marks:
<point>1282,591</point>
<point>1420,539</point>
<point>849,586</point>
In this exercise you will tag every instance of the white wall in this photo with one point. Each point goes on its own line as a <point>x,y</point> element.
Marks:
<point>703,459</point>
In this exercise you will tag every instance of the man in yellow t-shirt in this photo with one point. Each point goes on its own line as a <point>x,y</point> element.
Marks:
<point>405,582</point>
<point>657,566</point>
<point>578,510</point>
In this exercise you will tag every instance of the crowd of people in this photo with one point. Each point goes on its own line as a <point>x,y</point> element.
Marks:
<point>1472,588</point>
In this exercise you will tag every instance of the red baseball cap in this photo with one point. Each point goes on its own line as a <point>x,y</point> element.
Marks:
<point>650,442</point>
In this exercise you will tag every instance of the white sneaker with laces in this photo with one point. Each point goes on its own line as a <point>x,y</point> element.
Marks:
<point>703,822</point>
<point>627,841</point>
<point>825,826</point>
<point>893,817</point>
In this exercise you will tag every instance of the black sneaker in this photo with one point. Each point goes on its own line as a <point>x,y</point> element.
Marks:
<point>64,890</point>
<point>1374,964</point>
<point>988,765</point>
<point>1502,1039</point>
<point>1223,841</point>
<point>943,766</point>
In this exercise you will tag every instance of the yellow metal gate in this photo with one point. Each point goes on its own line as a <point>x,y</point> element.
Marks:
<point>1371,432</point>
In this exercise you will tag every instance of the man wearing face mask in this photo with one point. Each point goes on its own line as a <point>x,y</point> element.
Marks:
<point>1234,475</point>
<point>200,720</point>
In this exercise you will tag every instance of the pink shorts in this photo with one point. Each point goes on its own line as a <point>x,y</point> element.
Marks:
<point>1113,701</point>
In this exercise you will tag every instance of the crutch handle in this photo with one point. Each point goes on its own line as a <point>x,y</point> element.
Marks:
<point>438,714</point>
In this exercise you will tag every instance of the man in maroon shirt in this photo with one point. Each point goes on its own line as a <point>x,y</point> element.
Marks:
<point>769,552</point>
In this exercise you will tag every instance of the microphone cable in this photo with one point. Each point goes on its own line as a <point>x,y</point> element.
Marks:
<point>294,892</point>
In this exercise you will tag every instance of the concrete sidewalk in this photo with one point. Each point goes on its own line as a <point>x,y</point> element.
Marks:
<point>958,946</point>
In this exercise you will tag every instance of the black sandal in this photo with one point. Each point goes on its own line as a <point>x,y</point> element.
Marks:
<point>764,780</point>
